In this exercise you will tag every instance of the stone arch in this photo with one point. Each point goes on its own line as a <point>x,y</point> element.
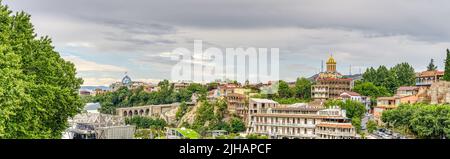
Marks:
<point>147,112</point>
<point>135,112</point>
<point>130,113</point>
<point>125,113</point>
<point>141,112</point>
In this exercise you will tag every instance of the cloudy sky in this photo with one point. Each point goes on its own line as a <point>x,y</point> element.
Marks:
<point>105,38</point>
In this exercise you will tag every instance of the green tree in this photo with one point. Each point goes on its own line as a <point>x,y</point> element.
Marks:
<point>447,67</point>
<point>370,75</point>
<point>302,88</point>
<point>146,122</point>
<point>421,120</point>
<point>371,90</point>
<point>237,125</point>
<point>371,126</point>
<point>182,109</point>
<point>38,89</point>
<point>356,122</point>
<point>400,75</point>
<point>352,108</point>
<point>405,74</point>
<point>431,66</point>
<point>283,90</point>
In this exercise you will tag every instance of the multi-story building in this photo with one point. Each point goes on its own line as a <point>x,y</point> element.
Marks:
<point>257,106</point>
<point>330,84</point>
<point>181,85</point>
<point>300,121</point>
<point>238,105</point>
<point>426,78</point>
<point>405,95</point>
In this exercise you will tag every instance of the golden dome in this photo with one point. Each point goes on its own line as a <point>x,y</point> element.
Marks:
<point>331,60</point>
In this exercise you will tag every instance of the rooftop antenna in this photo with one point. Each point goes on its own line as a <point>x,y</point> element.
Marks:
<point>321,67</point>
<point>350,70</point>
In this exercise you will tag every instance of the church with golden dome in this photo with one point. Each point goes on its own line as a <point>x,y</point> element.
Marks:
<point>331,70</point>
<point>330,84</point>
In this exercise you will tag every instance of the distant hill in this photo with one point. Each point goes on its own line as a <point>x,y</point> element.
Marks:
<point>91,88</point>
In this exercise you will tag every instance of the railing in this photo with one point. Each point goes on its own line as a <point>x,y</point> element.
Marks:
<point>334,133</point>
<point>288,125</point>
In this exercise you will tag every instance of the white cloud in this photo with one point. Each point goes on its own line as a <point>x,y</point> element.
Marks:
<point>85,65</point>
<point>80,44</point>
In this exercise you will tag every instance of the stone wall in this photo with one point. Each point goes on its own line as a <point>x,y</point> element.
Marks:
<point>439,92</point>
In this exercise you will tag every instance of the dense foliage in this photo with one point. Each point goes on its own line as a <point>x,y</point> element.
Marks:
<point>302,89</point>
<point>400,75</point>
<point>146,122</point>
<point>256,136</point>
<point>422,120</point>
<point>182,109</point>
<point>431,66</point>
<point>299,93</point>
<point>210,116</point>
<point>447,66</point>
<point>371,90</point>
<point>352,108</point>
<point>124,97</point>
<point>371,126</point>
<point>38,89</point>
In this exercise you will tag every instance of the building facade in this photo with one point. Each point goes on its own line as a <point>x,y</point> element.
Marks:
<point>238,104</point>
<point>426,78</point>
<point>300,121</point>
<point>330,84</point>
<point>257,106</point>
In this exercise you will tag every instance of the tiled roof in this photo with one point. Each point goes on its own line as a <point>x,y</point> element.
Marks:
<point>263,100</point>
<point>351,93</point>
<point>430,73</point>
<point>335,125</point>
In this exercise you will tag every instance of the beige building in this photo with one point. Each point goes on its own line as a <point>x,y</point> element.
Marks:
<point>426,78</point>
<point>238,105</point>
<point>330,84</point>
<point>257,106</point>
<point>300,121</point>
<point>404,95</point>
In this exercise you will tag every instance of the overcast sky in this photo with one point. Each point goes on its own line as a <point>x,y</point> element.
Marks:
<point>105,38</point>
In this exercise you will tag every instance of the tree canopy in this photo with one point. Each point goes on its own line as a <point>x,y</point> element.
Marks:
<point>422,120</point>
<point>401,74</point>
<point>447,67</point>
<point>38,89</point>
<point>431,66</point>
<point>123,97</point>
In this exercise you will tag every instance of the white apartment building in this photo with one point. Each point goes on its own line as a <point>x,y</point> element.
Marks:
<point>257,106</point>
<point>300,121</point>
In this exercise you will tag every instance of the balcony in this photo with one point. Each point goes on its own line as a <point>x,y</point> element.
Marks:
<point>335,133</point>
<point>287,125</point>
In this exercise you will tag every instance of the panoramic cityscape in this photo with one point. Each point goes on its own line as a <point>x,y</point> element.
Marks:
<point>144,70</point>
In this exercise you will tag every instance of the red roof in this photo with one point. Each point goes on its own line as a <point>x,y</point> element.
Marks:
<point>351,93</point>
<point>430,73</point>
